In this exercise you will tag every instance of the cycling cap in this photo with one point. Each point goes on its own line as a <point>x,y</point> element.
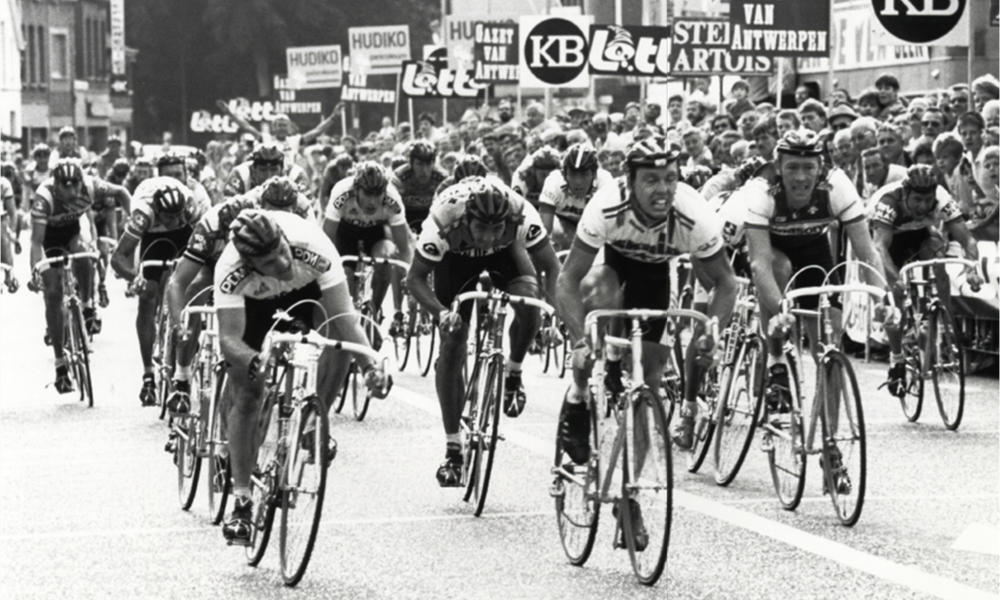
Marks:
<point>41,149</point>
<point>545,157</point>
<point>422,150</point>
<point>114,139</point>
<point>254,233</point>
<point>469,165</point>
<point>169,199</point>
<point>279,192</point>
<point>580,157</point>
<point>68,171</point>
<point>143,161</point>
<point>800,142</point>
<point>920,179</point>
<point>168,159</point>
<point>268,155</point>
<point>121,166</point>
<point>652,151</point>
<point>487,203</point>
<point>370,177</point>
<point>67,131</point>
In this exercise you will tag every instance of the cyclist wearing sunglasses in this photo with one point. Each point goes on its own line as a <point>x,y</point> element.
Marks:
<point>266,161</point>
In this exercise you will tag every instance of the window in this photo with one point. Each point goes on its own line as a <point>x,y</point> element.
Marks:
<point>41,62</point>
<point>60,54</point>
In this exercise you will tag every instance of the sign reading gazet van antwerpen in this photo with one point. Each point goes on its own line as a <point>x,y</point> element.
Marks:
<point>495,52</point>
<point>799,28</point>
<point>702,47</point>
<point>637,51</point>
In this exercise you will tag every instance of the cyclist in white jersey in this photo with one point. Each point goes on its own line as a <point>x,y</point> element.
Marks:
<point>567,191</point>
<point>640,223</point>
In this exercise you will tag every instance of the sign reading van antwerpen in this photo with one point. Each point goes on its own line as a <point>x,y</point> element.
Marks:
<point>379,50</point>
<point>799,28</point>
<point>314,67</point>
<point>495,53</point>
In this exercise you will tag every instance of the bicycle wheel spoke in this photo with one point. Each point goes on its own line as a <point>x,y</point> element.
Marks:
<point>303,488</point>
<point>263,484</point>
<point>948,368</point>
<point>912,402</point>
<point>186,459</point>
<point>844,459</point>
<point>738,413</point>
<point>784,443</point>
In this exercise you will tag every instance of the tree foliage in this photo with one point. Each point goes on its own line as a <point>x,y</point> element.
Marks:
<point>192,52</point>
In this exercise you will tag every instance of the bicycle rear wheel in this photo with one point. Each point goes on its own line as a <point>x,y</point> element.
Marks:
<point>303,488</point>
<point>489,391</point>
<point>648,510</point>
<point>186,459</point>
<point>844,457</point>
<point>578,509</point>
<point>264,480</point>
<point>947,368</point>
<point>704,429</point>
<point>218,455</point>
<point>913,401</point>
<point>738,411</point>
<point>784,443</point>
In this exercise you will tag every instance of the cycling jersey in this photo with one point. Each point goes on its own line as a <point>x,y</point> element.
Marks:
<point>240,181</point>
<point>146,219</point>
<point>888,211</point>
<point>417,197</point>
<point>55,210</point>
<point>344,208</point>
<point>556,193</point>
<point>524,182</point>
<point>732,209</point>
<point>6,194</point>
<point>835,200</point>
<point>209,238</point>
<point>446,229</point>
<point>611,219</point>
<point>314,259</point>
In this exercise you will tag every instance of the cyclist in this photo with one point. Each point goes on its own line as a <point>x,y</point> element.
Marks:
<point>567,192</point>
<point>9,215</point>
<point>478,224</point>
<point>60,224</point>
<point>787,230</point>
<point>337,169</point>
<point>266,161</point>
<point>469,165</point>
<point>640,223</point>
<point>529,178</point>
<point>176,166</point>
<point>164,212</point>
<point>141,171</point>
<point>418,180</point>
<point>272,261</point>
<point>905,217</point>
<point>359,211</point>
<point>196,267</point>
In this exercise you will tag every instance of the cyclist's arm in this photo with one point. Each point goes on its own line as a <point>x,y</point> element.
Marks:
<point>547,212</point>
<point>762,269</point>
<point>232,324</point>
<point>959,231</point>
<point>330,228</point>
<point>123,260</point>
<point>242,123</point>
<point>543,256</point>
<point>346,327</point>
<point>416,282</point>
<point>311,135</point>
<point>37,241</point>
<point>717,275</point>
<point>401,237</point>
<point>121,194</point>
<point>864,248</point>
<point>180,279</point>
<point>569,299</point>
<point>883,240</point>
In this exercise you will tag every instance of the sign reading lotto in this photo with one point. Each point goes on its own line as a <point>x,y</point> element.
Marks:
<point>554,51</point>
<point>798,28</point>
<point>314,67</point>
<point>639,51</point>
<point>702,47</point>
<point>937,23</point>
<point>379,50</point>
<point>421,79</point>
<point>495,53</point>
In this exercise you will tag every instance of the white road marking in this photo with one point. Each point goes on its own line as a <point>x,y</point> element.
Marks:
<point>979,537</point>
<point>876,566</point>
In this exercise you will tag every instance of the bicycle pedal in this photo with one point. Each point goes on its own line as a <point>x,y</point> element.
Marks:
<point>557,489</point>
<point>501,437</point>
<point>766,443</point>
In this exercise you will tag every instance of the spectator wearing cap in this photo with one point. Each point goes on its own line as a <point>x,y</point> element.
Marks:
<point>888,97</point>
<point>841,116</point>
<point>67,147</point>
<point>813,115</point>
<point>878,173</point>
<point>984,89</point>
<point>615,122</point>
<point>740,91</point>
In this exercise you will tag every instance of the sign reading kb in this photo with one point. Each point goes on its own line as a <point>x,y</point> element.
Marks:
<point>919,21</point>
<point>554,51</point>
<point>421,79</point>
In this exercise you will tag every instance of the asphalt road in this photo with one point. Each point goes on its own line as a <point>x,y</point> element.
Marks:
<point>88,503</point>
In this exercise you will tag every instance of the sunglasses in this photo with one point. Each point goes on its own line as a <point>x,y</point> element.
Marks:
<point>70,182</point>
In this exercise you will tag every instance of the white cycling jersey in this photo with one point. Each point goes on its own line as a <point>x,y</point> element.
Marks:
<point>556,193</point>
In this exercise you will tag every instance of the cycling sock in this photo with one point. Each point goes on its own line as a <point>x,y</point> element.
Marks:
<point>776,360</point>
<point>148,376</point>
<point>60,361</point>
<point>241,492</point>
<point>453,449</point>
<point>183,373</point>
<point>513,367</point>
<point>147,372</point>
<point>454,439</point>
<point>895,359</point>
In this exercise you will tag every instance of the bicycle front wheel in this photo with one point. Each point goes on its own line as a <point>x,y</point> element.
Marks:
<point>844,459</point>
<point>784,443</point>
<point>303,487</point>
<point>913,401</point>
<point>217,455</point>
<point>186,459</point>
<point>426,337</point>
<point>81,359</point>
<point>349,387</point>
<point>578,509</point>
<point>361,396</point>
<point>738,411</point>
<point>704,428</point>
<point>947,364</point>
<point>264,479</point>
<point>483,441</point>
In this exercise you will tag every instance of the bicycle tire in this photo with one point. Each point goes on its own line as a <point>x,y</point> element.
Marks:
<point>739,410</point>
<point>786,453</point>
<point>913,401</point>
<point>489,424</point>
<point>186,459</point>
<point>425,344</point>
<point>264,481</point>
<point>361,396</point>
<point>402,344</point>
<point>81,358</point>
<point>704,429</point>
<point>577,510</point>
<point>947,368</point>
<point>647,502</point>
<point>303,488</point>
<point>341,399</point>
<point>847,493</point>
<point>567,354</point>
<point>219,483</point>
<point>163,358</point>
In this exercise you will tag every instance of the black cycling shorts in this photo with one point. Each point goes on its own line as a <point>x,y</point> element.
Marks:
<point>162,245</point>
<point>349,237</point>
<point>59,239</point>
<point>415,218</point>
<point>457,273</point>
<point>644,285</point>
<point>818,253</point>
<point>905,246</point>
<point>260,313</point>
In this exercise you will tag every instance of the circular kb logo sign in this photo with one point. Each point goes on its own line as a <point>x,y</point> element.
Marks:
<point>919,21</point>
<point>555,51</point>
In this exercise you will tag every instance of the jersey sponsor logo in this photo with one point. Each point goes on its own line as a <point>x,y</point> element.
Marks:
<point>340,201</point>
<point>40,207</point>
<point>534,231</point>
<point>729,230</point>
<point>311,258</point>
<point>233,280</point>
<point>708,245</point>
<point>431,249</point>
<point>198,244</point>
<point>262,288</point>
<point>884,213</point>
<point>140,221</point>
<point>391,204</point>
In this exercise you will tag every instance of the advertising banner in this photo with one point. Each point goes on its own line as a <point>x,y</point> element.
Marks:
<point>379,50</point>
<point>117,23</point>
<point>554,51</point>
<point>460,34</point>
<point>922,22</point>
<point>794,28</point>
<point>701,47</point>
<point>495,52</point>
<point>421,79</point>
<point>636,51</point>
<point>314,67</point>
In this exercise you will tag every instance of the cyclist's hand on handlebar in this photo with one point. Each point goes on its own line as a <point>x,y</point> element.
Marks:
<point>779,325</point>
<point>975,281</point>
<point>450,321</point>
<point>889,316</point>
<point>12,284</point>
<point>377,381</point>
<point>136,287</point>
<point>35,285</point>
<point>704,350</point>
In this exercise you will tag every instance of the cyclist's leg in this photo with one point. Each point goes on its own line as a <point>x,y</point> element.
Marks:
<point>84,269</point>
<point>244,398</point>
<point>905,247</point>
<point>383,274</point>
